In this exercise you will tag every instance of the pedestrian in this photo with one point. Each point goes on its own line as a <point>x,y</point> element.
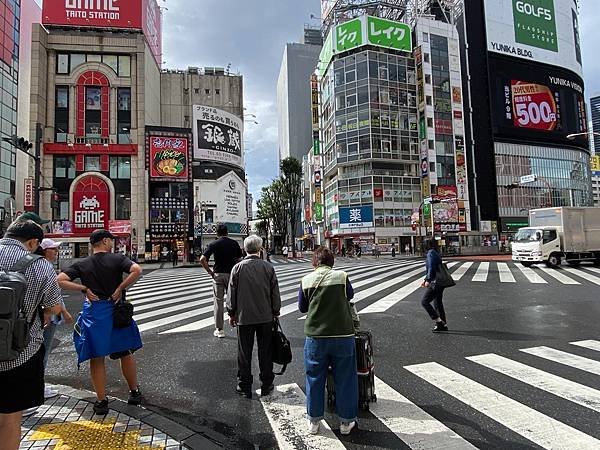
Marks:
<point>102,283</point>
<point>325,295</point>
<point>227,253</point>
<point>285,251</point>
<point>393,250</point>
<point>433,293</point>
<point>253,303</point>
<point>343,251</point>
<point>174,255</point>
<point>407,249</point>
<point>358,251</point>
<point>22,374</point>
<point>49,250</point>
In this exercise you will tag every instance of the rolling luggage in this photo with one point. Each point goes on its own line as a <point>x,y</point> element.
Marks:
<point>365,368</point>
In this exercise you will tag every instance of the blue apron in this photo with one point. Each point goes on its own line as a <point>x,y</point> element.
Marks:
<point>94,335</point>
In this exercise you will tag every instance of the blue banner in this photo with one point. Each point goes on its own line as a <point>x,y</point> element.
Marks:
<point>356,216</point>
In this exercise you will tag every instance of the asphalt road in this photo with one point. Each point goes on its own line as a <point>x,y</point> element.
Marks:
<point>507,398</point>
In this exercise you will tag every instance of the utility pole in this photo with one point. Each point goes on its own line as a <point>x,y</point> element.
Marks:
<point>37,169</point>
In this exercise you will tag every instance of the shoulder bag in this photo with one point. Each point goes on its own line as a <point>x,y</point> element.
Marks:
<point>281,349</point>
<point>443,279</point>
<point>122,313</point>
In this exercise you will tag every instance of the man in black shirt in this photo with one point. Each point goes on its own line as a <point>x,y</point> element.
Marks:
<point>101,276</point>
<point>227,253</point>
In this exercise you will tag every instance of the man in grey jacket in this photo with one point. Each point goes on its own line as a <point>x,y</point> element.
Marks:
<point>253,302</point>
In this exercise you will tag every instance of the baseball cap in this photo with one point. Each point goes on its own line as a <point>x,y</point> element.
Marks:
<point>32,216</point>
<point>49,243</point>
<point>98,235</point>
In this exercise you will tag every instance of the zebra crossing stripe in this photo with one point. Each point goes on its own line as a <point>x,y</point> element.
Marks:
<point>585,275</point>
<point>556,274</point>
<point>592,345</point>
<point>561,387</point>
<point>531,275</point>
<point>411,424</point>
<point>482,272</point>
<point>568,359</point>
<point>458,273</point>
<point>286,410</point>
<point>506,275</point>
<point>545,431</point>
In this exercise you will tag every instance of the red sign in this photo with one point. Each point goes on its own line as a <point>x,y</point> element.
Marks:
<point>307,214</point>
<point>135,14</point>
<point>446,192</point>
<point>119,226</point>
<point>169,157</point>
<point>90,205</point>
<point>443,126</point>
<point>378,193</point>
<point>28,199</point>
<point>92,149</point>
<point>534,106</point>
<point>457,114</point>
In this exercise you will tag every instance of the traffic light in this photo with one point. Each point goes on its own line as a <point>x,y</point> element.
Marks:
<point>19,143</point>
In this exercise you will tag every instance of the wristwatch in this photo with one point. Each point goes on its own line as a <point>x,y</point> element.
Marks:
<point>84,290</point>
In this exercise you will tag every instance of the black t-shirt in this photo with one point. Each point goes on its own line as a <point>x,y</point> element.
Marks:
<point>227,252</point>
<point>102,273</point>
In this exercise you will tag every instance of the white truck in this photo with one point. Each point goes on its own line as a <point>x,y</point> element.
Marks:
<point>557,234</point>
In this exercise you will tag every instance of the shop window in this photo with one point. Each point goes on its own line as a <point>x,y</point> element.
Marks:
<point>61,114</point>
<point>350,76</point>
<point>218,91</point>
<point>64,167</point>
<point>209,216</point>
<point>124,115</point>
<point>123,207</point>
<point>207,91</point>
<point>111,61</point>
<point>93,111</point>
<point>94,58</point>
<point>92,164</point>
<point>124,65</point>
<point>62,63</point>
<point>77,59</point>
<point>383,72</point>
<point>120,167</point>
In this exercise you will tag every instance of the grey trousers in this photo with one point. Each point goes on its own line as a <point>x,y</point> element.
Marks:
<point>220,284</point>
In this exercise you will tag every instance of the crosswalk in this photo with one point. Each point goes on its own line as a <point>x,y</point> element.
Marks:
<point>180,300</point>
<point>459,388</point>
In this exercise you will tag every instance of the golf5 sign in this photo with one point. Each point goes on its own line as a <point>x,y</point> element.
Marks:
<point>535,23</point>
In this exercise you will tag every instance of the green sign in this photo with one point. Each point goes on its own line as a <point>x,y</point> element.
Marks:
<point>316,146</point>
<point>386,33</point>
<point>535,23</point>
<point>422,128</point>
<point>427,210</point>
<point>318,212</point>
<point>349,35</point>
<point>326,55</point>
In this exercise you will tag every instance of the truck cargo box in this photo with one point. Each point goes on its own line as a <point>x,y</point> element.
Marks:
<point>580,226</point>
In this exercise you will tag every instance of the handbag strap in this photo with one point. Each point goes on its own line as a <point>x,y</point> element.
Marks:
<point>318,284</point>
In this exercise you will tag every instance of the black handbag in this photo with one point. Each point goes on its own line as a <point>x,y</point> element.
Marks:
<point>281,349</point>
<point>443,279</point>
<point>122,313</point>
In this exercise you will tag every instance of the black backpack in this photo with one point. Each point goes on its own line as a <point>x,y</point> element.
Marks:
<point>281,349</point>
<point>14,326</point>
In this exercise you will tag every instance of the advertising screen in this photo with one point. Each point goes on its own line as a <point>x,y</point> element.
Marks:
<point>536,102</point>
<point>169,157</point>
<point>217,136</point>
<point>545,31</point>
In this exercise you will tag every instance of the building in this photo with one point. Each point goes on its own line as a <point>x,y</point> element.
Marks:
<point>209,103</point>
<point>524,95</point>
<point>95,86</point>
<point>595,112</point>
<point>293,95</point>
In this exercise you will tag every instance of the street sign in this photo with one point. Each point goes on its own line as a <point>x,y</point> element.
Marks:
<point>528,179</point>
<point>28,196</point>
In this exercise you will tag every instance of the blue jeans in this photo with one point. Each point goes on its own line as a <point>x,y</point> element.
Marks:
<point>49,331</point>
<point>340,354</point>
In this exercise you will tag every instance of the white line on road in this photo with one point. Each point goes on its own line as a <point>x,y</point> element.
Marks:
<point>591,345</point>
<point>556,274</point>
<point>531,275</point>
<point>286,410</point>
<point>482,272</point>
<point>584,275</point>
<point>410,423</point>
<point>533,425</point>
<point>568,359</point>
<point>506,275</point>
<point>458,273</point>
<point>561,387</point>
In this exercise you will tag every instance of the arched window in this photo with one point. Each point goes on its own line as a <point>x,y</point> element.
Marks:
<point>93,111</point>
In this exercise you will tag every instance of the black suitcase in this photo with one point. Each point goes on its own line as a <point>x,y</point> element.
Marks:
<point>365,368</point>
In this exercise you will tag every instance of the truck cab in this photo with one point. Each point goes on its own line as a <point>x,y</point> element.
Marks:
<point>534,245</point>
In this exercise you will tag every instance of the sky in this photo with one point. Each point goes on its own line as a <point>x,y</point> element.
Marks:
<point>251,35</point>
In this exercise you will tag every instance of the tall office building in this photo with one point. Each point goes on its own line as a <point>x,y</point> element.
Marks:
<point>595,109</point>
<point>293,95</point>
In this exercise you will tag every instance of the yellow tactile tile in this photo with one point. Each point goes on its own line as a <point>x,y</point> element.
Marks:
<point>89,435</point>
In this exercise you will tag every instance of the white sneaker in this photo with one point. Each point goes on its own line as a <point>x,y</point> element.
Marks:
<point>347,428</point>
<point>49,392</point>
<point>30,411</point>
<point>219,333</point>
<point>313,427</point>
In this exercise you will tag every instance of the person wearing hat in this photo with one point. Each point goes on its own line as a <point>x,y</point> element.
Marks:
<point>32,216</point>
<point>102,283</point>
<point>49,250</point>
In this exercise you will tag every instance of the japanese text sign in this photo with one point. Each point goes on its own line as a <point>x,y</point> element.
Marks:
<point>217,136</point>
<point>356,216</point>
<point>169,157</point>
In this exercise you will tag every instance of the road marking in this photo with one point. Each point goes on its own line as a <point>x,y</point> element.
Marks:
<point>286,410</point>
<point>584,275</point>
<point>531,275</point>
<point>592,345</point>
<point>482,272</point>
<point>529,423</point>
<point>410,423</point>
<point>506,275</point>
<point>568,359</point>
<point>458,273</point>
<point>593,269</point>
<point>561,387</point>
<point>556,274</point>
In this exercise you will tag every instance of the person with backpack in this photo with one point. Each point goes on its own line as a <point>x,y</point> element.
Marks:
<point>29,291</point>
<point>253,303</point>
<point>102,283</point>
<point>433,292</point>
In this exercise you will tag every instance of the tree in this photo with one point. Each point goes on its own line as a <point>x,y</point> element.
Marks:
<point>291,178</point>
<point>272,207</point>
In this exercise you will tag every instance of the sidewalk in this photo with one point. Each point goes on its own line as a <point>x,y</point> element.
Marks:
<point>68,422</point>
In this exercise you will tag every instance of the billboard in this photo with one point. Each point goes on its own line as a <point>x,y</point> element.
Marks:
<point>217,136</point>
<point>545,31</point>
<point>356,217</point>
<point>536,102</point>
<point>142,15</point>
<point>90,205</point>
<point>595,163</point>
<point>169,157</point>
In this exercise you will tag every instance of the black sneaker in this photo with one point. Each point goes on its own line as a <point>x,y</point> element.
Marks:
<point>101,407</point>
<point>440,326</point>
<point>135,397</point>
<point>266,390</point>
<point>244,392</point>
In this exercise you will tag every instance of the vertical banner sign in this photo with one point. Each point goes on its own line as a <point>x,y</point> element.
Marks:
<point>461,167</point>
<point>596,165</point>
<point>28,199</point>
<point>169,157</point>
<point>217,136</point>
